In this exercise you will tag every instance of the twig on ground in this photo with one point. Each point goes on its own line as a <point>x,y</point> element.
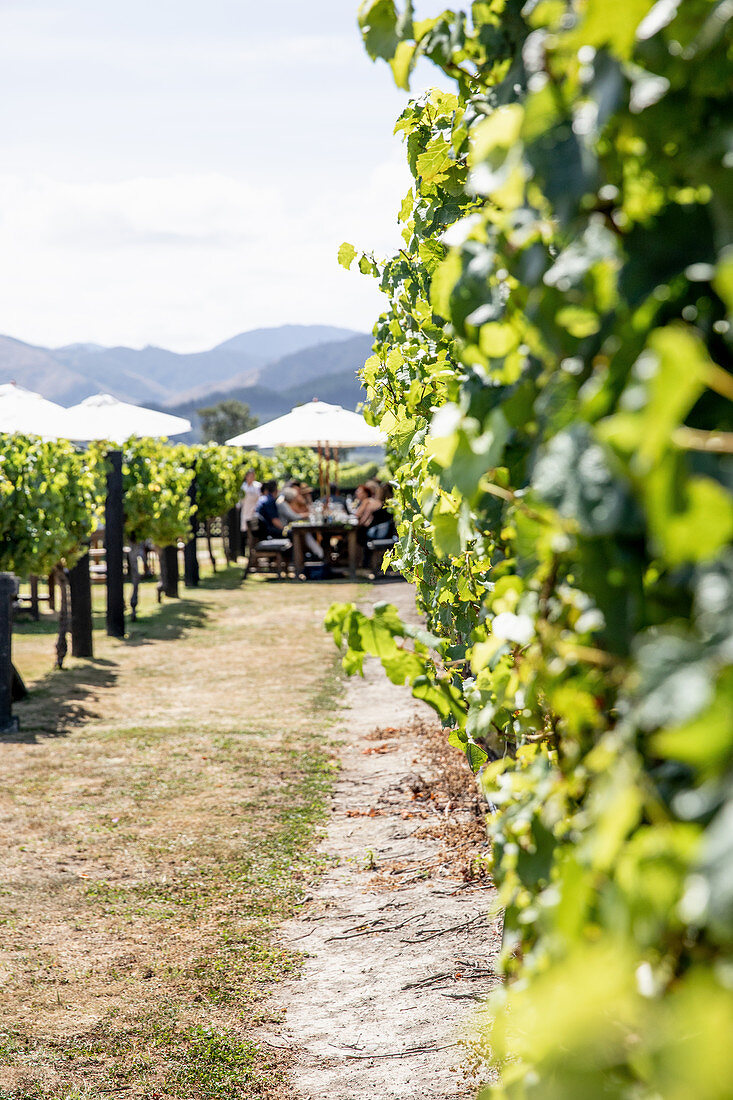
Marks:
<point>408,1053</point>
<point>432,933</point>
<point>430,979</point>
<point>342,1054</point>
<point>373,930</point>
<point>474,995</point>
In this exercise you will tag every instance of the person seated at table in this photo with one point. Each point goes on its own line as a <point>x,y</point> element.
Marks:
<point>337,500</point>
<point>287,507</point>
<point>267,511</point>
<point>367,505</point>
<point>299,501</point>
<point>384,495</point>
<point>306,493</point>
<point>382,524</point>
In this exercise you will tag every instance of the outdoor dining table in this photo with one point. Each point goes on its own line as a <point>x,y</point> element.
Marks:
<point>297,532</point>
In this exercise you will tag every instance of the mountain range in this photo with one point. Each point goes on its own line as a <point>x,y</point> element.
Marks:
<point>271,369</point>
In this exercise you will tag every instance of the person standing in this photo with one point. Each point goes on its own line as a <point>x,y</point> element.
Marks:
<point>251,492</point>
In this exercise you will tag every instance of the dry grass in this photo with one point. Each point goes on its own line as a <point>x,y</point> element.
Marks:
<point>156,816</point>
<point>444,795</point>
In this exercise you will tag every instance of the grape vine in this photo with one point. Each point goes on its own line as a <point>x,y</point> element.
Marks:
<point>49,504</point>
<point>219,473</point>
<point>155,481</point>
<point>553,371</point>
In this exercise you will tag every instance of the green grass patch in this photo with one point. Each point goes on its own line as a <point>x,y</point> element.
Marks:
<point>251,893</point>
<point>219,1065</point>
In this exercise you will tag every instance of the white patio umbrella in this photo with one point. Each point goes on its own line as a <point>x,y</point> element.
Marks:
<point>317,424</point>
<point>24,412</point>
<point>104,417</point>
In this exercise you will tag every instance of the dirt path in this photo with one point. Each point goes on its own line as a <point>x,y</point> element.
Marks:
<point>399,946</point>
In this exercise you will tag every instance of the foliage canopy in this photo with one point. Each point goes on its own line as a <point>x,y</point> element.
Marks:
<point>52,494</point>
<point>49,504</point>
<point>553,371</point>
<point>225,420</point>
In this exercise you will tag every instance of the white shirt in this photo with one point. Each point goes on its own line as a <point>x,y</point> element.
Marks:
<point>251,493</point>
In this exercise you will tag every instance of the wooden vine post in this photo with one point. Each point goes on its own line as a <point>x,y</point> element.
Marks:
<point>135,555</point>
<point>210,545</point>
<point>168,571</point>
<point>232,541</point>
<point>8,724</point>
<point>190,554</point>
<point>62,580</point>
<point>82,627</point>
<point>35,607</point>
<point>114,547</point>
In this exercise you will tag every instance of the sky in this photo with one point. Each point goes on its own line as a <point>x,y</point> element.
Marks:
<point>178,171</point>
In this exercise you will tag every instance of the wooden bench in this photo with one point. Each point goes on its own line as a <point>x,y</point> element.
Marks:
<point>35,598</point>
<point>275,552</point>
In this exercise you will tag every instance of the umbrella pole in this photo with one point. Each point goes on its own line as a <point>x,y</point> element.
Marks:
<point>328,474</point>
<point>320,471</point>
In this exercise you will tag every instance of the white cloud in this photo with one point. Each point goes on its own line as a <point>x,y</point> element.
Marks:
<point>177,172</point>
<point>57,43</point>
<point>188,259</point>
<point>206,209</point>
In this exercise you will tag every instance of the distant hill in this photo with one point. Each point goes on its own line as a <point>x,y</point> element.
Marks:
<point>315,362</point>
<point>151,374</point>
<point>272,343</point>
<point>264,403</point>
<point>294,380</point>
<point>265,360</point>
<point>38,369</point>
<point>296,369</point>
<point>341,388</point>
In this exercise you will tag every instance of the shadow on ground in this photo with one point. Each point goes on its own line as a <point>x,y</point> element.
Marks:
<point>228,578</point>
<point>47,625</point>
<point>62,700</point>
<point>170,620</point>
<point>166,621</point>
<point>65,699</point>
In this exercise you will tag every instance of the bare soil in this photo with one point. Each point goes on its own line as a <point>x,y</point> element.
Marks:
<point>399,945</point>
